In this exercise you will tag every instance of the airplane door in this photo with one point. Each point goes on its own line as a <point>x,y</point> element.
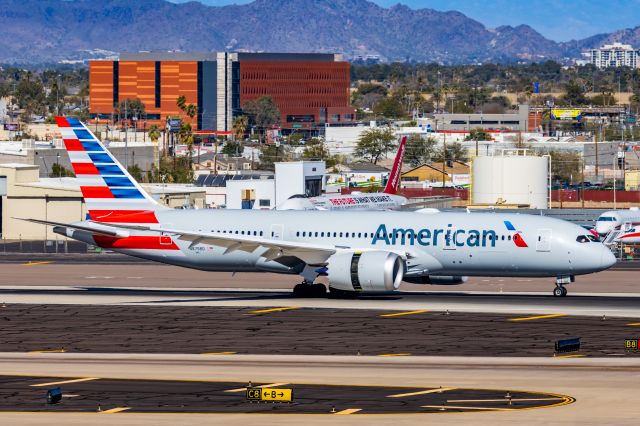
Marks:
<point>277,231</point>
<point>543,243</point>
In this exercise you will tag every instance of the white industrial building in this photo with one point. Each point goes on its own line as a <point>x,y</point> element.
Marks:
<point>615,55</point>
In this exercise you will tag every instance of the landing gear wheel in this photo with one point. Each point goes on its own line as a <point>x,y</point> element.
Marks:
<point>309,290</point>
<point>319,290</point>
<point>559,291</point>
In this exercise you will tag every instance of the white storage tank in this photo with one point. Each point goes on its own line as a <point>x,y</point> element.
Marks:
<point>511,179</point>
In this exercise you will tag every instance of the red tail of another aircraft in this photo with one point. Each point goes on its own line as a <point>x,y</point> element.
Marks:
<point>394,178</point>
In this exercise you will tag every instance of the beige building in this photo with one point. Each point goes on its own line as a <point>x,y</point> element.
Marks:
<point>25,195</point>
<point>55,199</point>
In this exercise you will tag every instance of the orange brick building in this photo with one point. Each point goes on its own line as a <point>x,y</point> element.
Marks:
<point>309,89</point>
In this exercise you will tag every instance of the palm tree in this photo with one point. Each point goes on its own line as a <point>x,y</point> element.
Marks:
<point>240,124</point>
<point>154,135</point>
<point>181,102</point>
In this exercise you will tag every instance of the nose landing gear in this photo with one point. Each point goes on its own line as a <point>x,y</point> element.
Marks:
<point>560,290</point>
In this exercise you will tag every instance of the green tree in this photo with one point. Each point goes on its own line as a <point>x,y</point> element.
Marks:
<point>240,124</point>
<point>574,94</point>
<point>271,154</point>
<point>419,150</point>
<point>154,133</point>
<point>60,171</point>
<point>262,112</point>
<point>232,149</point>
<point>129,108</point>
<point>136,172</point>
<point>389,107</point>
<point>478,134</point>
<point>315,149</point>
<point>454,151</point>
<point>374,142</point>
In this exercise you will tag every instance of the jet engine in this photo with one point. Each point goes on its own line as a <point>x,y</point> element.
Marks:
<point>365,271</point>
<point>437,279</point>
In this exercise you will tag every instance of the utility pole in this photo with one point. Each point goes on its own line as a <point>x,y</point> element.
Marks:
<point>126,139</point>
<point>444,159</point>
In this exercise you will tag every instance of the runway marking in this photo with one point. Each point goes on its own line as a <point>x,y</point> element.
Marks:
<point>456,407</point>
<point>69,395</point>
<point>571,356</point>
<point>348,411</point>
<point>422,392</point>
<point>634,324</point>
<point>398,354</point>
<point>266,311</point>
<point>218,353</point>
<point>271,385</point>
<point>537,317</point>
<point>114,410</point>
<point>399,314</point>
<point>42,262</point>
<point>62,382</point>
<point>49,351</point>
<point>504,400</point>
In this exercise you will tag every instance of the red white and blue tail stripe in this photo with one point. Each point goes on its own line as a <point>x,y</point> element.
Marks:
<point>109,191</point>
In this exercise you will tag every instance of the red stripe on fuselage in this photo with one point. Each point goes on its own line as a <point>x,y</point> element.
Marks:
<point>123,216</point>
<point>145,242</point>
<point>85,169</point>
<point>73,145</point>
<point>96,192</point>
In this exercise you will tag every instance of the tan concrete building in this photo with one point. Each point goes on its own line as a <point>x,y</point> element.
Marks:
<point>55,199</point>
<point>24,195</point>
<point>456,172</point>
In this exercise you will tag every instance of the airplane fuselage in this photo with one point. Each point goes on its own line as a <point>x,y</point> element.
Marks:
<point>481,244</point>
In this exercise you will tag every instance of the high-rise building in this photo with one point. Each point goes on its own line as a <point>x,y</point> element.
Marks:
<point>309,89</point>
<point>615,55</point>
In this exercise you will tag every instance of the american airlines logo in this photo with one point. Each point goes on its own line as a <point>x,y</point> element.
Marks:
<point>360,200</point>
<point>448,237</point>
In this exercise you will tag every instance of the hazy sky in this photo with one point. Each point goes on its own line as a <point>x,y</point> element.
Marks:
<point>559,20</point>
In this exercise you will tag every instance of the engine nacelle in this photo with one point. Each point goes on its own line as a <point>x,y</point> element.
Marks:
<point>365,271</point>
<point>437,279</point>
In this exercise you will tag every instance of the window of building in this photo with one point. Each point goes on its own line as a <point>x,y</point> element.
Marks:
<point>264,203</point>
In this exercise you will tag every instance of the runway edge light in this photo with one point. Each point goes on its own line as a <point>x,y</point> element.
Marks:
<point>54,396</point>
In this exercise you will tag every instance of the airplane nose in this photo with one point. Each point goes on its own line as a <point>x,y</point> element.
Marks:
<point>608,258</point>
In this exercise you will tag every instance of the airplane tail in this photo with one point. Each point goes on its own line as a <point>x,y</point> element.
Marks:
<point>109,191</point>
<point>394,178</point>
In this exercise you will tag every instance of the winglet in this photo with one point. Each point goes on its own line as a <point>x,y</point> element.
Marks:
<point>394,178</point>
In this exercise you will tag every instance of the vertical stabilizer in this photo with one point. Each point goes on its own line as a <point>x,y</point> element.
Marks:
<point>109,191</point>
<point>394,178</point>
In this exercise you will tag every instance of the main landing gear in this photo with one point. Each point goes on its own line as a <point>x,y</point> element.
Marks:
<point>305,289</point>
<point>560,290</point>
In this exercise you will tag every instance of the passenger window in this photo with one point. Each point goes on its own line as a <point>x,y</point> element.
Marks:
<point>261,233</point>
<point>297,234</point>
<point>341,235</point>
<point>503,238</point>
<point>359,234</point>
<point>322,234</point>
<point>509,238</point>
<point>316,234</point>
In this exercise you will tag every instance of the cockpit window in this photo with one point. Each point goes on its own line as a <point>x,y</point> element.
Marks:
<point>582,239</point>
<point>593,238</point>
<point>606,219</point>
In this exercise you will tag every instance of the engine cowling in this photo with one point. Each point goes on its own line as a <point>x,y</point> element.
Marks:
<point>437,279</point>
<point>365,271</point>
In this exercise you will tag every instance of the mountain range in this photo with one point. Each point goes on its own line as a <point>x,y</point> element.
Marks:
<point>47,31</point>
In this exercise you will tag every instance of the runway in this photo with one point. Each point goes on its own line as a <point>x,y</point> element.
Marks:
<point>605,391</point>
<point>291,330</point>
<point>69,320</point>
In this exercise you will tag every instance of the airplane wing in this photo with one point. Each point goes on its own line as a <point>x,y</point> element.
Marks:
<point>99,229</point>
<point>312,254</point>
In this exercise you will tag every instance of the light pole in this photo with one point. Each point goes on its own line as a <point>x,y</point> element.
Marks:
<point>58,164</point>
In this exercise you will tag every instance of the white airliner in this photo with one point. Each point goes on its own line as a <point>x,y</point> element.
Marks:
<point>385,200</point>
<point>613,219</point>
<point>372,251</point>
<point>629,236</point>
